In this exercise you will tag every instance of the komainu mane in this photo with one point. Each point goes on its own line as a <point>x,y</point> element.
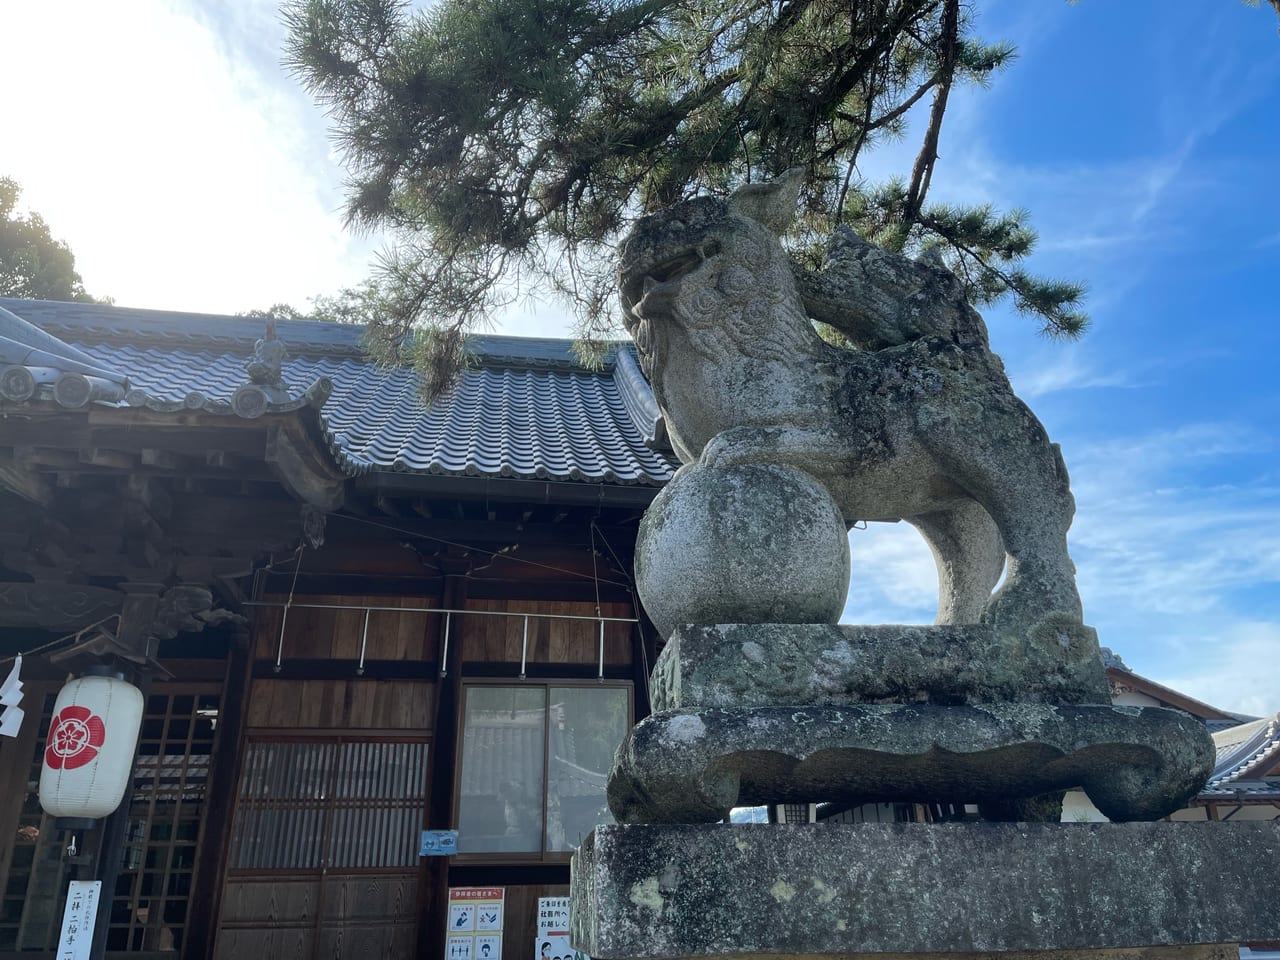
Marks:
<point>918,423</point>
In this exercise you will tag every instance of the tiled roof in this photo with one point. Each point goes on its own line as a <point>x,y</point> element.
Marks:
<point>1247,748</point>
<point>1245,753</point>
<point>525,408</point>
<point>1265,789</point>
<point>1212,717</point>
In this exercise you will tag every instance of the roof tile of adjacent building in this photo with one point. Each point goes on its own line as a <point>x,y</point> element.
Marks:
<point>1247,762</point>
<point>525,408</point>
<point>1246,754</point>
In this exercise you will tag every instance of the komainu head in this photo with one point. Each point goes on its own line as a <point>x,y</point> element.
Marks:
<point>713,267</point>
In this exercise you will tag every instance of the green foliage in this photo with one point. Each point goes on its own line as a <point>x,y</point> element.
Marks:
<point>32,263</point>
<point>277,311</point>
<point>1274,3</point>
<point>506,144</point>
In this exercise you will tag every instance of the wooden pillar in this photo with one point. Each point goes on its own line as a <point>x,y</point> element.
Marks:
<point>644,653</point>
<point>215,839</point>
<point>15,768</point>
<point>111,834</point>
<point>433,889</point>
<point>137,618</point>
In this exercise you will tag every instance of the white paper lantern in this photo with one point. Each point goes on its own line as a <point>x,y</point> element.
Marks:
<point>89,754</point>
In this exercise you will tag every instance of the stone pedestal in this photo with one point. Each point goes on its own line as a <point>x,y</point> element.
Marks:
<point>772,664</point>
<point>885,891</point>
<point>1134,763</point>
<point>762,713</point>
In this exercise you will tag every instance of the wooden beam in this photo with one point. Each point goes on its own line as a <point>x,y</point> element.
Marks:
<point>25,482</point>
<point>134,428</point>
<point>163,459</point>
<point>433,872</point>
<point>304,469</point>
<point>222,460</point>
<point>220,803</point>
<point>47,457</point>
<point>64,430</point>
<point>55,606</point>
<point>209,569</point>
<point>102,457</point>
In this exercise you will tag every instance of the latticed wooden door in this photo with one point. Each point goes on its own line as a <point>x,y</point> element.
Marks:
<point>152,899</point>
<point>323,859</point>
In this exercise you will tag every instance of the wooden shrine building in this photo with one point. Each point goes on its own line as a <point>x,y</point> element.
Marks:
<point>353,618</point>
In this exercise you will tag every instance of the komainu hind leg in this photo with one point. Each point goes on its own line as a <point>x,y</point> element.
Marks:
<point>969,555</point>
<point>1033,508</point>
<point>1007,464</point>
<point>1036,614</point>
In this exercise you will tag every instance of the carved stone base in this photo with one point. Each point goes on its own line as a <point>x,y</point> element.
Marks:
<point>1222,951</point>
<point>771,891</point>
<point>1135,763</point>
<point>764,664</point>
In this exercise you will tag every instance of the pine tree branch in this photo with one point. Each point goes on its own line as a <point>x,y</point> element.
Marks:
<point>922,171</point>
<point>1056,322</point>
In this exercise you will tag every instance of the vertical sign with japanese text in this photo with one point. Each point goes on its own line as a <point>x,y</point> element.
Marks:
<point>78,919</point>
<point>552,942</point>
<point>475,923</point>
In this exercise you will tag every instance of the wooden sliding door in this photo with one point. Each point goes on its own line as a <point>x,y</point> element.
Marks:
<point>323,859</point>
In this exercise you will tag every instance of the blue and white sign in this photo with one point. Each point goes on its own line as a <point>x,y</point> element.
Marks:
<point>438,843</point>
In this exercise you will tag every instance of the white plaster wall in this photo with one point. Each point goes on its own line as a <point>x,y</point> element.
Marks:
<point>1076,808</point>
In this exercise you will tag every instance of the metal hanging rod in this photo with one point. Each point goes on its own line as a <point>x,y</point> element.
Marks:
<point>478,613</point>
<point>287,605</point>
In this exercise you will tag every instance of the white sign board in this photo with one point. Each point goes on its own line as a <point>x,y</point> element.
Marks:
<point>553,916</point>
<point>553,931</point>
<point>78,919</point>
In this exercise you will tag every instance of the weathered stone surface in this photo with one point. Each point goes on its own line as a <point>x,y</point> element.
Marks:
<point>744,665</point>
<point>755,544</point>
<point>925,426</point>
<point>1135,763</point>
<point>1213,952</point>
<point>773,891</point>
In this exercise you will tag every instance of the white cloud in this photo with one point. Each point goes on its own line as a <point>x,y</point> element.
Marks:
<point>894,579</point>
<point>1235,669</point>
<point>184,174</point>
<point>1171,560</point>
<point>1065,371</point>
<point>1178,550</point>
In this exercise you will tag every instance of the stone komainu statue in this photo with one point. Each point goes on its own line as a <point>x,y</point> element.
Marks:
<point>1005,702</point>
<point>919,422</point>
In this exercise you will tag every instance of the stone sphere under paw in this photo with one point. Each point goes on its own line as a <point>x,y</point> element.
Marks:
<point>756,543</point>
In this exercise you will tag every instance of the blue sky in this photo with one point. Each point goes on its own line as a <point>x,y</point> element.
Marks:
<point>163,142</point>
<point>1144,138</point>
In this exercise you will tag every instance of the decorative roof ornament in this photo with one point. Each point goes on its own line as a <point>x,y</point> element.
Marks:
<point>264,391</point>
<point>1112,660</point>
<point>266,385</point>
<point>266,367</point>
<point>35,364</point>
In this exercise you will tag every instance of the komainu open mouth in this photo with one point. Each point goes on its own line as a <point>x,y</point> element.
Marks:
<point>641,280</point>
